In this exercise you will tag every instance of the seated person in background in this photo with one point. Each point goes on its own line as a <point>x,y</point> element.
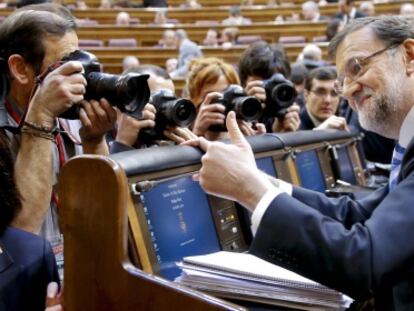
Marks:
<point>310,12</point>
<point>407,9</point>
<point>229,37</point>
<point>81,5</point>
<point>187,51</point>
<point>212,38</point>
<point>206,79</point>
<point>321,101</point>
<point>367,8</point>
<point>235,17</point>
<point>160,18</point>
<point>171,65</point>
<point>27,263</point>
<point>105,5</point>
<point>122,19</point>
<point>128,128</point>
<point>311,56</point>
<point>129,62</point>
<point>347,11</point>
<point>168,40</point>
<point>260,61</point>
<point>190,4</point>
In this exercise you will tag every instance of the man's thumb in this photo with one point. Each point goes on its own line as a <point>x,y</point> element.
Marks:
<point>236,136</point>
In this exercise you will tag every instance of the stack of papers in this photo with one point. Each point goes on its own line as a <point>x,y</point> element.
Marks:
<point>244,276</point>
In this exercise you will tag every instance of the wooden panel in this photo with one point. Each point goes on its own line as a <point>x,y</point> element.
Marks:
<point>98,274</point>
<point>149,35</point>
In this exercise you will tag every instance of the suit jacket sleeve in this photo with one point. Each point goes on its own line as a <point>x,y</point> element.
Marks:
<point>354,247</point>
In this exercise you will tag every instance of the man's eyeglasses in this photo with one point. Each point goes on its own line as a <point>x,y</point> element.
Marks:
<point>354,68</point>
<point>321,92</point>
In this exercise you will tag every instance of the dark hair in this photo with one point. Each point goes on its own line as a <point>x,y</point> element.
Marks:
<point>298,73</point>
<point>10,203</point>
<point>389,29</point>
<point>263,60</point>
<point>24,31</point>
<point>320,73</point>
<point>150,69</point>
<point>332,28</point>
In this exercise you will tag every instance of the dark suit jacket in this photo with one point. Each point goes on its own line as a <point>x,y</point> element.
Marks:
<point>27,265</point>
<point>305,120</point>
<point>358,14</point>
<point>363,248</point>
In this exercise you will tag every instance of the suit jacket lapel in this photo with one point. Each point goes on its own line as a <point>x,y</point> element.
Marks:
<point>5,259</point>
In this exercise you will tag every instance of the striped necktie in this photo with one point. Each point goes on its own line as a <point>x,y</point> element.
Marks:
<point>397,156</point>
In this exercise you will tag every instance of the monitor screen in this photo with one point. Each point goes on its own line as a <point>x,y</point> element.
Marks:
<point>310,171</point>
<point>345,166</point>
<point>180,222</point>
<point>266,165</point>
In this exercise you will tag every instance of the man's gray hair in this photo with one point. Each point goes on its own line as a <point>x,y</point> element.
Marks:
<point>389,29</point>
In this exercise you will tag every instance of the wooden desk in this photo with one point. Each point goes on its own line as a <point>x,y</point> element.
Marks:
<point>111,58</point>
<point>150,35</point>
<point>255,13</point>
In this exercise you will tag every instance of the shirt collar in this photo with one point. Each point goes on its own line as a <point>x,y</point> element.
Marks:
<point>315,121</point>
<point>407,129</point>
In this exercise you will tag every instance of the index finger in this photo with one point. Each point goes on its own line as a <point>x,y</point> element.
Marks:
<point>69,68</point>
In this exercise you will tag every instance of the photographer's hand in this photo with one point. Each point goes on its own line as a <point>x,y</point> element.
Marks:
<point>255,88</point>
<point>248,130</point>
<point>128,127</point>
<point>179,134</point>
<point>97,119</point>
<point>59,90</point>
<point>333,122</point>
<point>289,123</point>
<point>209,113</point>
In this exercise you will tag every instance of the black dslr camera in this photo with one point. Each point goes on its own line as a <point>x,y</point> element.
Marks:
<point>170,111</point>
<point>280,95</point>
<point>129,92</point>
<point>247,108</point>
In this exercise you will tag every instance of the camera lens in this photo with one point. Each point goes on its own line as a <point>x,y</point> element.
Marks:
<point>184,112</point>
<point>284,94</point>
<point>247,108</point>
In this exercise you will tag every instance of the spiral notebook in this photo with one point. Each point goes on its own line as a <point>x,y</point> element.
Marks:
<point>246,277</point>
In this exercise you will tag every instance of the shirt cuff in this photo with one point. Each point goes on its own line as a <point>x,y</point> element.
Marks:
<point>269,196</point>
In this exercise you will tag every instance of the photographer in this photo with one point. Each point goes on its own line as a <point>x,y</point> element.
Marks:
<point>32,39</point>
<point>260,61</point>
<point>207,79</point>
<point>128,129</point>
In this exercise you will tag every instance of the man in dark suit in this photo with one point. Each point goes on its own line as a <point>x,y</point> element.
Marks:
<point>27,263</point>
<point>359,247</point>
<point>347,11</point>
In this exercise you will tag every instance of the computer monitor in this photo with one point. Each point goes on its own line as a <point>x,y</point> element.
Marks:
<point>309,170</point>
<point>180,222</point>
<point>345,167</point>
<point>267,165</point>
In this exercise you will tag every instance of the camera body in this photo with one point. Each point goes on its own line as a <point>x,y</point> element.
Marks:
<point>247,108</point>
<point>171,111</point>
<point>280,95</point>
<point>129,92</point>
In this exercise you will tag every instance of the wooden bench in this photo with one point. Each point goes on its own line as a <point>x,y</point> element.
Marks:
<point>255,13</point>
<point>150,35</point>
<point>111,58</point>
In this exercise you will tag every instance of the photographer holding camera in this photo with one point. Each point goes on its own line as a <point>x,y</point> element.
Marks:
<point>152,128</point>
<point>214,87</point>
<point>33,41</point>
<point>262,70</point>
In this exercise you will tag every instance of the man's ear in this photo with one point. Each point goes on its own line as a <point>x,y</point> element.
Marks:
<point>19,69</point>
<point>409,55</point>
